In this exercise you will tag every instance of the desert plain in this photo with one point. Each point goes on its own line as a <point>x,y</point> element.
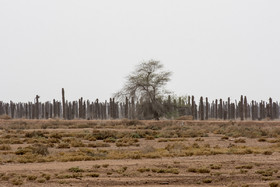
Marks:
<point>136,153</point>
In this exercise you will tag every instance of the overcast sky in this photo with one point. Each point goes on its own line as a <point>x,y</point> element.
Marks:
<point>217,48</point>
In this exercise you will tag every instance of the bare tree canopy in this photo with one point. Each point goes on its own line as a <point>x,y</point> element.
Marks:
<point>146,84</point>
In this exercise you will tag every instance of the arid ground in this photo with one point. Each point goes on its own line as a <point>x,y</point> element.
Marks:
<point>139,153</point>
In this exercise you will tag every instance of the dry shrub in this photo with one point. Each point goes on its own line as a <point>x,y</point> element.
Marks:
<point>158,125</point>
<point>207,181</point>
<point>185,118</point>
<point>128,122</point>
<point>22,151</point>
<point>149,138</point>
<point>262,140</point>
<point>40,149</point>
<point>77,143</point>
<point>135,155</point>
<point>175,146</point>
<point>98,144</point>
<point>81,135</point>
<point>46,176</point>
<point>89,137</point>
<point>83,154</point>
<point>199,140</point>
<point>63,146</point>
<point>5,147</point>
<point>105,165</point>
<point>17,182</point>
<point>31,177</point>
<point>75,169</point>
<point>41,180</point>
<point>240,150</point>
<point>168,170</point>
<point>176,149</point>
<point>53,140</point>
<point>199,170</point>
<point>35,134</point>
<point>153,127</point>
<point>274,140</point>
<point>101,135</point>
<point>267,152</point>
<point>37,149</point>
<point>142,170</point>
<point>67,176</point>
<point>27,158</point>
<point>110,140</point>
<point>195,145</point>
<point>5,178</point>
<point>75,157</point>
<point>80,126</point>
<point>93,175</point>
<point>244,167</point>
<point>148,149</point>
<point>215,166</point>
<point>273,184</point>
<point>55,135</point>
<point>5,117</point>
<point>240,140</point>
<point>127,142</point>
<point>16,141</point>
<point>172,140</point>
<point>265,173</point>
<point>249,130</point>
<point>224,138</point>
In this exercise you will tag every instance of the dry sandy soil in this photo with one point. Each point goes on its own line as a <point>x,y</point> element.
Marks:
<point>139,153</point>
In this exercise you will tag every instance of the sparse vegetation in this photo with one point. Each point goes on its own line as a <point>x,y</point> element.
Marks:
<point>127,142</point>
<point>93,175</point>
<point>75,169</point>
<point>244,167</point>
<point>142,170</point>
<point>207,180</point>
<point>105,165</point>
<point>262,140</point>
<point>267,152</point>
<point>198,170</point>
<point>215,166</point>
<point>17,182</point>
<point>265,173</point>
<point>41,180</point>
<point>273,184</point>
<point>5,147</point>
<point>168,170</point>
<point>5,117</point>
<point>240,140</point>
<point>161,141</point>
<point>32,177</point>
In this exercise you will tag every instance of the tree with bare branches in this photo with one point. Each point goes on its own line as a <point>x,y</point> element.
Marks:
<point>147,85</point>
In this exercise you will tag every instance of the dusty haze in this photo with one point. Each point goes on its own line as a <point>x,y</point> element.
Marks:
<point>214,48</point>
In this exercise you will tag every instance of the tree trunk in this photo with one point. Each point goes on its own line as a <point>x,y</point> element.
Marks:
<point>63,104</point>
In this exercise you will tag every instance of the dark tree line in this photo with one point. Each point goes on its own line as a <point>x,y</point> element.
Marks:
<point>131,109</point>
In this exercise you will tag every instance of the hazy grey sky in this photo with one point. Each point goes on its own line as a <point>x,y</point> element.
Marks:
<point>216,48</point>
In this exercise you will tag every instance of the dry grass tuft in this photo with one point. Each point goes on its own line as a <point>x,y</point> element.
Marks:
<point>5,117</point>
<point>5,147</point>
